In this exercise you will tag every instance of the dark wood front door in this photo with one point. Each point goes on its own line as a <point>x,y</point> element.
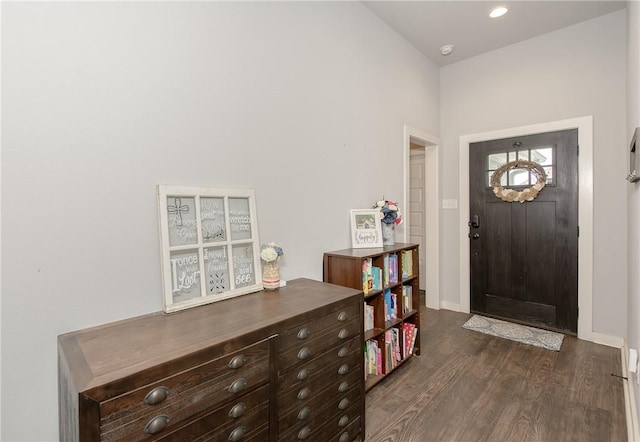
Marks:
<point>524,256</point>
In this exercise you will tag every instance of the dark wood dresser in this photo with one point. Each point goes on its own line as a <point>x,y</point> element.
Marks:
<point>284,365</point>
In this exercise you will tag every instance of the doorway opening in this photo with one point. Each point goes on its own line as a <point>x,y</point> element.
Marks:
<point>420,204</point>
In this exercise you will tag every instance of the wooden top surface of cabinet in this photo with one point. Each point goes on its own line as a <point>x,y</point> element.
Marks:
<point>113,351</point>
<point>105,367</point>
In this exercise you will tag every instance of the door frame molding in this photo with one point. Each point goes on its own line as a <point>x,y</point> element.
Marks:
<point>432,219</point>
<point>585,210</point>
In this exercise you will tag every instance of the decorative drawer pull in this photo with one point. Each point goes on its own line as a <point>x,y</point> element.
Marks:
<point>156,425</point>
<point>304,413</point>
<point>304,333</point>
<point>343,316</point>
<point>237,362</point>
<point>344,386</point>
<point>304,433</point>
<point>344,437</point>
<point>343,352</point>
<point>344,420</point>
<point>156,396</point>
<point>237,410</point>
<point>344,369</point>
<point>304,393</point>
<point>304,353</point>
<point>344,333</point>
<point>237,434</point>
<point>303,374</point>
<point>344,403</point>
<point>237,386</point>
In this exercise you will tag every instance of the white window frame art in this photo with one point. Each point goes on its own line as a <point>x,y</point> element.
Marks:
<point>209,244</point>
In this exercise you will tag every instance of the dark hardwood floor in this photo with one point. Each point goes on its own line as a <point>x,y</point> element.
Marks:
<point>468,386</point>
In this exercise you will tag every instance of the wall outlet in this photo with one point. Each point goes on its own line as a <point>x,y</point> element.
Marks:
<point>449,204</point>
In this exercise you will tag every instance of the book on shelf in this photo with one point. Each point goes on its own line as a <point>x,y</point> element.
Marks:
<point>367,276</point>
<point>410,334</point>
<point>368,316</point>
<point>385,270</point>
<point>393,269</point>
<point>392,349</point>
<point>390,305</point>
<point>407,299</point>
<point>407,264</point>
<point>376,273</point>
<point>372,359</point>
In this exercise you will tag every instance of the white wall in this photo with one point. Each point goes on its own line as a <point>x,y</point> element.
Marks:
<point>304,102</point>
<point>633,121</point>
<point>573,72</point>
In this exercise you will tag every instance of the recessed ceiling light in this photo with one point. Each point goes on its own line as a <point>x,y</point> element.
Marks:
<point>446,49</point>
<point>498,12</point>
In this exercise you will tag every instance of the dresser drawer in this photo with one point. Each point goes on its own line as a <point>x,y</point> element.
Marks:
<point>308,410</point>
<point>303,332</point>
<point>305,350</point>
<point>352,432</point>
<point>331,373</point>
<point>239,420</point>
<point>326,365</point>
<point>183,395</point>
<point>328,421</point>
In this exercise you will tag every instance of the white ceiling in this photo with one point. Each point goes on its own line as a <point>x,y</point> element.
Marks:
<point>429,25</point>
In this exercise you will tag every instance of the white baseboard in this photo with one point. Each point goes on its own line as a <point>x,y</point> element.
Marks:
<point>452,306</point>
<point>631,411</point>
<point>610,341</point>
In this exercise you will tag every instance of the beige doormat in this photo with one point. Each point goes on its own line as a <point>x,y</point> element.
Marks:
<point>515,332</point>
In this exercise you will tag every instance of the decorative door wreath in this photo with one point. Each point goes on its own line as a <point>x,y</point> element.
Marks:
<point>511,195</point>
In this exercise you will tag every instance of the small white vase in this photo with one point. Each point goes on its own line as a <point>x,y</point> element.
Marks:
<point>388,234</point>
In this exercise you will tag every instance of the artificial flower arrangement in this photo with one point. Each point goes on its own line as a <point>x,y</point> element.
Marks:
<point>271,252</point>
<point>389,212</point>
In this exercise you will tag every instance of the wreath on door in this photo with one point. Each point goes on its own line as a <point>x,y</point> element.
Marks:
<point>511,195</point>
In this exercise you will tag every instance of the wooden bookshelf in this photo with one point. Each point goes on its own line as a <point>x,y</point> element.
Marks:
<point>351,268</point>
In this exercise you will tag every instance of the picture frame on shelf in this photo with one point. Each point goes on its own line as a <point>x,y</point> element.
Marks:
<point>366,229</point>
<point>210,250</point>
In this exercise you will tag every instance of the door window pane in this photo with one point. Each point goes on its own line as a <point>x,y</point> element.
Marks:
<point>521,177</point>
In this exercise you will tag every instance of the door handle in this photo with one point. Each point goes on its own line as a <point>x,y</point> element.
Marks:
<point>475,222</point>
<point>474,236</point>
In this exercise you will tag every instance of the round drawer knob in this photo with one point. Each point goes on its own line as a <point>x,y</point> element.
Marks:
<point>156,396</point>
<point>237,386</point>
<point>343,352</point>
<point>343,316</point>
<point>344,437</point>
<point>156,425</point>
<point>344,386</point>
<point>343,334</point>
<point>237,434</point>
<point>304,393</point>
<point>344,420</point>
<point>237,362</point>
<point>344,403</point>
<point>304,353</point>
<point>304,433</point>
<point>304,333</point>
<point>304,413</point>
<point>303,374</point>
<point>237,410</point>
<point>344,369</point>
